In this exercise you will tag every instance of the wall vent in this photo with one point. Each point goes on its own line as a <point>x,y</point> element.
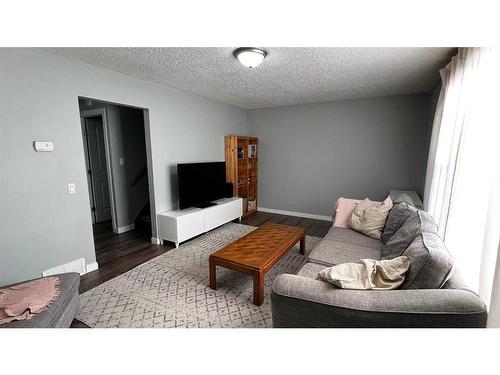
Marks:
<point>75,266</point>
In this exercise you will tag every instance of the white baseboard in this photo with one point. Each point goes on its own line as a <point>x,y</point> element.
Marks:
<point>293,213</point>
<point>124,229</point>
<point>74,266</point>
<point>92,267</point>
<point>156,241</point>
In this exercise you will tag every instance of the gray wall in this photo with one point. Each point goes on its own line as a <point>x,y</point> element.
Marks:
<point>127,140</point>
<point>312,154</point>
<point>41,225</point>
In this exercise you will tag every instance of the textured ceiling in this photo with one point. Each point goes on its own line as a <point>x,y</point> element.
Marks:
<point>287,76</point>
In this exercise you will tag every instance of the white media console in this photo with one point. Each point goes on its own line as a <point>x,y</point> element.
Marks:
<point>181,225</point>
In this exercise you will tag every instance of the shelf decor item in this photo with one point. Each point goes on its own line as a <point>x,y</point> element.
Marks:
<point>252,151</point>
<point>241,169</point>
<point>252,204</point>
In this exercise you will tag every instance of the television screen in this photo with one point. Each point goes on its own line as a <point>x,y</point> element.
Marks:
<point>200,183</point>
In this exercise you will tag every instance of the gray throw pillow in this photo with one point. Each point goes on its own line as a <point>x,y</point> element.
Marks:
<point>406,196</point>
<point>431,264</point>
<point>397,216</point>
<point>416,222</point>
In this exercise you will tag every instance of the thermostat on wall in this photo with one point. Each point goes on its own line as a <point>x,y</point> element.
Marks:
<point>43,146</point>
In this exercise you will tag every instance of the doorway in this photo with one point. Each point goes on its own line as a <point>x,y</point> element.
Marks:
<point>117,163</point>
<point>97,169</point>
<point>117,152</point>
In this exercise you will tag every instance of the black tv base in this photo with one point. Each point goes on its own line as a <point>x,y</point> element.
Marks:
<point>205,205</point>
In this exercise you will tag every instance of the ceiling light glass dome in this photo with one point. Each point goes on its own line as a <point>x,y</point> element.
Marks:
<point>251,57</point>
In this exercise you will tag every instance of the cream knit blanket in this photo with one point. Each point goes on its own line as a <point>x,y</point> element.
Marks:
<point>368,274</point>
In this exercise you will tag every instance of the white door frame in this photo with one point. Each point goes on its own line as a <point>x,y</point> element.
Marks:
<point>107,147</point>
<point>149,162</point>
<point>87,165</point>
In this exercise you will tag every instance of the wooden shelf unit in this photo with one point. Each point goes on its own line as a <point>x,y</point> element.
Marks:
<point>242,169</point>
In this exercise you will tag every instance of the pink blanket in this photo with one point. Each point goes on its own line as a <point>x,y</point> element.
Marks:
<point>343,212</point>
<point>21,301</point>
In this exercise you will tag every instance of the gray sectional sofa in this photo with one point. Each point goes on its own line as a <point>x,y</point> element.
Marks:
<point>61,312</point>
<point>432,295</point>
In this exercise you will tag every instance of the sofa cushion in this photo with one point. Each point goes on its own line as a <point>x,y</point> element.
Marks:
<point>311,270</point>
<point>349,236</point>
<point>61,311</point>
<point>418,221</point>
<point>331,252</point>
<point>431,264</point>
<point>397,216</point>
<point>369,217</point>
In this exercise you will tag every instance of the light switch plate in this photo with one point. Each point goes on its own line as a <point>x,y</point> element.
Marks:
<point>122,161</point>
<point>71,188</point>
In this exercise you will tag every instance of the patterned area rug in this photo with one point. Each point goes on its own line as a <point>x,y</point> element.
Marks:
<point>172,290</point>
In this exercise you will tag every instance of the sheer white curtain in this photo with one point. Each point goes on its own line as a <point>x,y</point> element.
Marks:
<point>462,185</point>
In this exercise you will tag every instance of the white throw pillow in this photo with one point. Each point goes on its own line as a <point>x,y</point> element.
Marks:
<point>369,217</point>
<point>368,274</point>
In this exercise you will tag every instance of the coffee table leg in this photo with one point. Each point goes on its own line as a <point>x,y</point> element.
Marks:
<point>213,274</point>
<point>303,245</point>
<point>258,288</point>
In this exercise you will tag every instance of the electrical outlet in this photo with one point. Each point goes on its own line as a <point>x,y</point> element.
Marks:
<point>71,188</point>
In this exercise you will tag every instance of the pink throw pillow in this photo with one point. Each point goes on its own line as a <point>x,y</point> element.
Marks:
<point>343,212</point>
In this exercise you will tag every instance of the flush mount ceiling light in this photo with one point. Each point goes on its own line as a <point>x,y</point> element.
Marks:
<point>250,56</point>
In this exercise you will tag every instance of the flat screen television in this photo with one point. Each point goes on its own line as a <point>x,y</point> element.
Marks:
<point>201,183</point>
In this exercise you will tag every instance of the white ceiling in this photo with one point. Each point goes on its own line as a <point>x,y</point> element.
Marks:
<point>287,76</point>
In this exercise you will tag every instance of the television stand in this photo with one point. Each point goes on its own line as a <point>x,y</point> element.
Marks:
<point>206,204</point>
<point>181,225</point>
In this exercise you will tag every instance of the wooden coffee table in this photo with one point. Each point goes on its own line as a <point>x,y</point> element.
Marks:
<point>256,253</point>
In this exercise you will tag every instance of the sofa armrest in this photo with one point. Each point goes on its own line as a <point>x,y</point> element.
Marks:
<point>302,302</point>
<point>61,312</point>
